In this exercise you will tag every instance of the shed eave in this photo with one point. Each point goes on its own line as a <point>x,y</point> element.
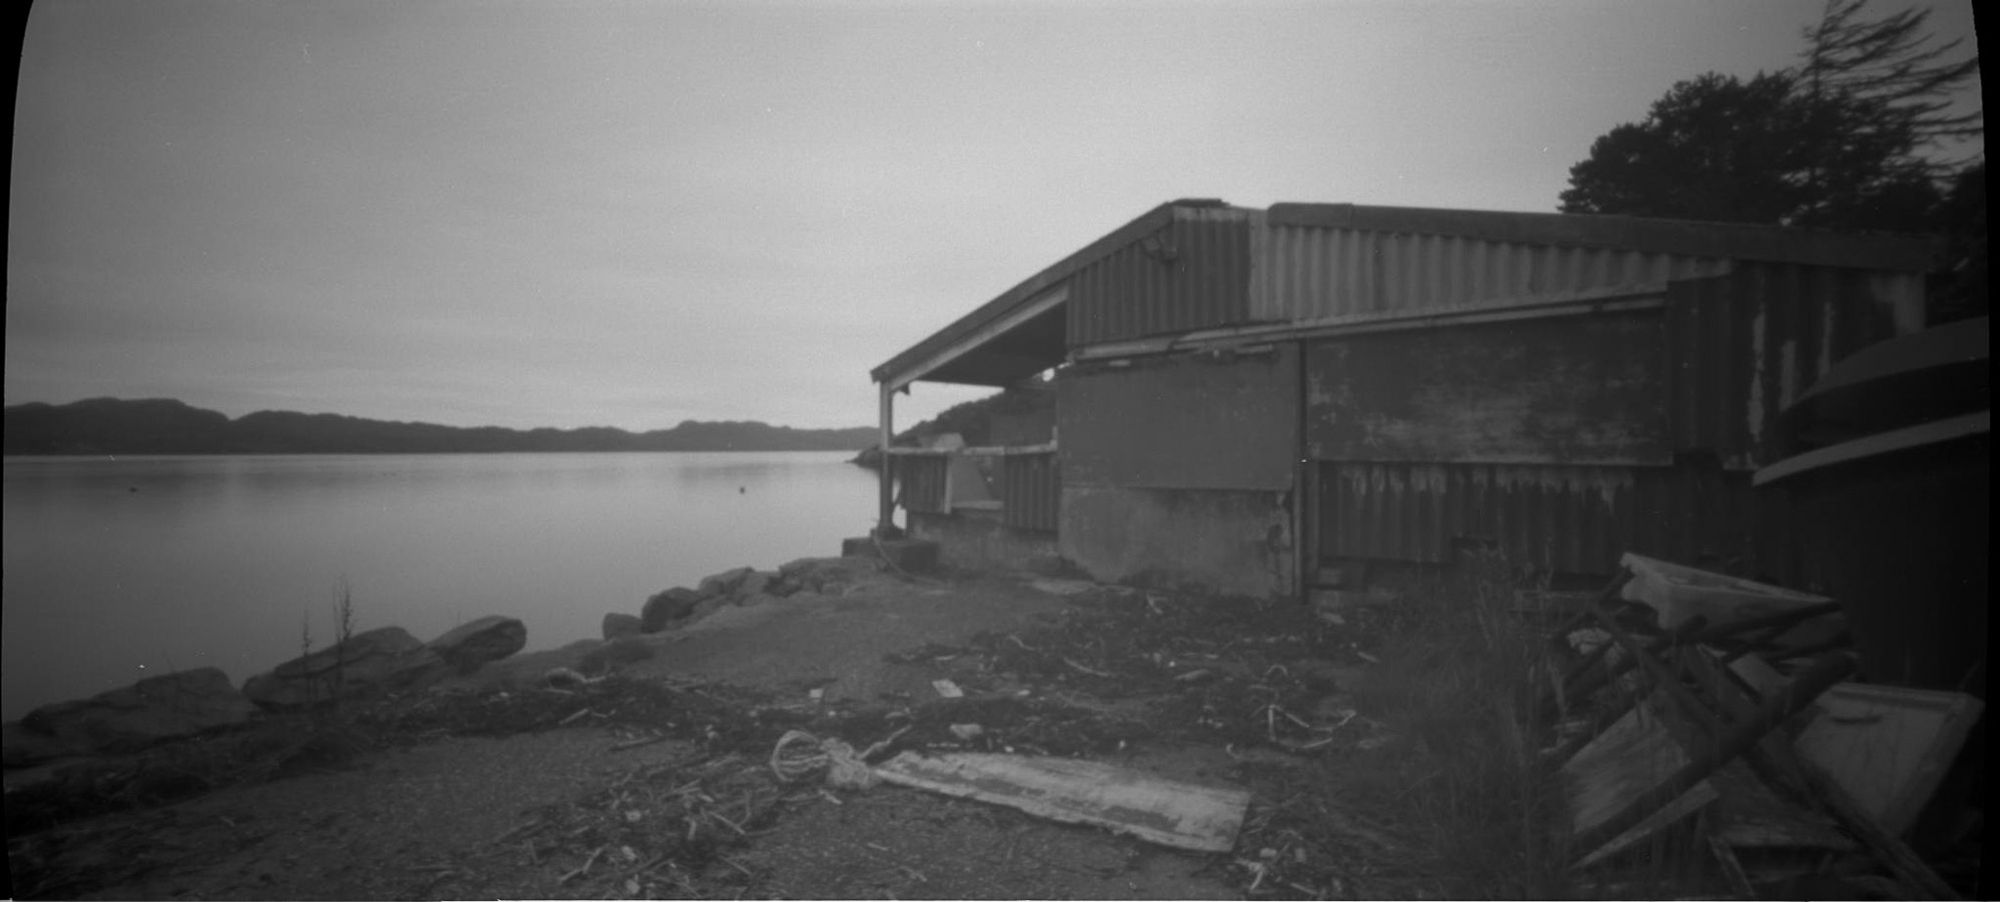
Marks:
<point>974,329</point>
<point>1895,251</point>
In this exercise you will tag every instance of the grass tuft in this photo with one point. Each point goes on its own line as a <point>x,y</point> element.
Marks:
<point>1478,813</point>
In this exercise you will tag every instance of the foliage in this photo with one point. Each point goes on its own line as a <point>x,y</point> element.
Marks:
<point>1856,136</point>
<point>1714,148</point>
<point>1886,65</point>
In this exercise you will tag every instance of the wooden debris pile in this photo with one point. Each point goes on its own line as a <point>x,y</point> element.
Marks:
<point>1705,712</point>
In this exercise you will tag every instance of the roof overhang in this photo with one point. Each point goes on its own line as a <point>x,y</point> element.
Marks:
<point>1023,331</point>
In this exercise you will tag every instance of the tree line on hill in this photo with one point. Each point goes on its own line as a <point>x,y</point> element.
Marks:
<point>161,426</point>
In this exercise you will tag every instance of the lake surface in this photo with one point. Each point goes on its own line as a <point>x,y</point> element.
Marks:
<point>121,568</point>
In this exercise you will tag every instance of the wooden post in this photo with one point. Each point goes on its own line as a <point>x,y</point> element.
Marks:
<point>885,521</point>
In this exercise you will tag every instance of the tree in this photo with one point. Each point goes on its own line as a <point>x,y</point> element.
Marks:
<point>1847,139</point>
<point>1886,64</point>
<point>1876,100</point>
<point>1714,148</point>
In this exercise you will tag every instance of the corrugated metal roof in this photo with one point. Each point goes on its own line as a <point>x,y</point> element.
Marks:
<point>1187,265</point>
<point>1191,273</point>
<point>1315,273</point>
<point>1739,241</point>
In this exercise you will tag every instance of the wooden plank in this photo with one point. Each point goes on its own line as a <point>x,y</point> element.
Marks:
<point>1888,746</point>
<point>1679,592</point>
<point>1631,757</point>
<point>1705,759</point>
<point>1168,812</point>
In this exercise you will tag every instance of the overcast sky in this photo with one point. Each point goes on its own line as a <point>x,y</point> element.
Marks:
<point>589,212</point>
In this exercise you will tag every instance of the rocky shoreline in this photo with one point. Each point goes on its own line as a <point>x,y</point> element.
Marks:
<point>369,666</point>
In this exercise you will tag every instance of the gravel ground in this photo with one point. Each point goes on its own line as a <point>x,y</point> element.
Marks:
<point>433,820</point>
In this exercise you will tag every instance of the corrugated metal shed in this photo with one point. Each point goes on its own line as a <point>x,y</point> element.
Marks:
<point>1574,519</point>
<point>1030,491</point>
<point>1572,389</point>
<point>1745,345</point>
<point>1202,421</point>
<point>1311,273</point>
<point>923,479</point>
<point>1193,272</point>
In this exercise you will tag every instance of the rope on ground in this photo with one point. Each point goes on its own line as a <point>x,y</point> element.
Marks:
<point>800,754</point>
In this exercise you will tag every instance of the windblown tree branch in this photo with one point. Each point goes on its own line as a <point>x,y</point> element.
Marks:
<point>1889,64</point>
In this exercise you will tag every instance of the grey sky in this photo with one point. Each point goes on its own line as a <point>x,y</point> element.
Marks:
<point>633,213</point>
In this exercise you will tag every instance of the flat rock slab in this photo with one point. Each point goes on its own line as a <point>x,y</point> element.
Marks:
<point>1168,812</point>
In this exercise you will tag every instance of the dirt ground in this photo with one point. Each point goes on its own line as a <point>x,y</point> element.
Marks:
<point>439,811</point>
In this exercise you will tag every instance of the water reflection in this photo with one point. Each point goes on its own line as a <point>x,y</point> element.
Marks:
<point>117,568</point>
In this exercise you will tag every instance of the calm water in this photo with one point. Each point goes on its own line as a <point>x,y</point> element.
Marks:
<point>116,569</point>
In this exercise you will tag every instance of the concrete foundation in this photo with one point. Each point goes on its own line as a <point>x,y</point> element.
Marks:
<point>1234,542</point>
<point>974,539</point>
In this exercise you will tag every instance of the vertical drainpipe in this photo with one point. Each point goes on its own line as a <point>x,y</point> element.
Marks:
<point>885,525</point>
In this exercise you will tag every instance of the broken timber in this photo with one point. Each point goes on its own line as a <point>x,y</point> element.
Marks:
<point>1171,813</point>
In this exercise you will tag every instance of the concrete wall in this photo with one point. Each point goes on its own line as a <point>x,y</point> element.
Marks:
<point>972,539</point>
<point>1235,542</point>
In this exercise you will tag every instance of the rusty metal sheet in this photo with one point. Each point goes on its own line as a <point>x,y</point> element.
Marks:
<point>1030,491</point>
<point>1565,390</point>
<point>1193,272</point>
<point>1748,344</point>
<point>1575,519</point>
<point>1192,421</point>
<point>922,477</point>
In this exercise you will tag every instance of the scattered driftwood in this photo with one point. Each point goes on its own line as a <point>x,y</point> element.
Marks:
<point>1170,813</point>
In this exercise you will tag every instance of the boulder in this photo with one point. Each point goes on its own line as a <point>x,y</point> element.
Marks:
<point>373,663</point>
<point>473,645</point>
<point>22,747</point>
<point>758,582</point>
<point>705,607</point>
<point>723,584</point>
<point>155,708</point>
<point>667,607</point>
<point>617,624</point>
<point>829,574</point>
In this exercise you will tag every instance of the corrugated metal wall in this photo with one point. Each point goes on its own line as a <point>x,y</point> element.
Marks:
<point>1307,273</point>
<point>1576,519</point>
<point>1744,346</point>
<point>1192,274</point>
<point>922,477</point>
<point>1030,491</point>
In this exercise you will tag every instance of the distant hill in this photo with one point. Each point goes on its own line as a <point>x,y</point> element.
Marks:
<point>972,420</point>
<point>161,426</point>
